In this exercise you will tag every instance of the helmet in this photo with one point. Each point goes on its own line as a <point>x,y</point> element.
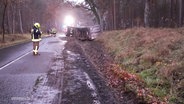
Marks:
<point>37,25</point>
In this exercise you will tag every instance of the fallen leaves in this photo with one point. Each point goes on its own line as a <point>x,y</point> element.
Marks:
<point>123,80</point>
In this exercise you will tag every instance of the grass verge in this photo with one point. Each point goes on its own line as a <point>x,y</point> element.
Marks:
<point>13,39</point>
<point>155,55</point>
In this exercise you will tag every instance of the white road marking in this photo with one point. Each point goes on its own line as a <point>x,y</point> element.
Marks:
<point>14,60</point>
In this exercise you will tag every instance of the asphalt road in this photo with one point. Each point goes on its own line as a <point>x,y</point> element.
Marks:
<point>61,74</point>
<point>19,69</point>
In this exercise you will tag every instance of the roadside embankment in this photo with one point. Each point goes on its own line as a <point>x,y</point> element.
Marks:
<point>144,63</point>
<point>14,39</point>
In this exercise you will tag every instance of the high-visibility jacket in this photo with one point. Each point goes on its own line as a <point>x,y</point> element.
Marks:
<point>35,34</point>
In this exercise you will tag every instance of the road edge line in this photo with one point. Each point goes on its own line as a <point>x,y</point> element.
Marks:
<point>11,62</point>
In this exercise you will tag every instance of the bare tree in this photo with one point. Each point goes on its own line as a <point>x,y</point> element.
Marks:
<point>19,15</point>
<point>95,10</point>
<point>147,13</point>
<point>180,13</point>
<point>5,3</point>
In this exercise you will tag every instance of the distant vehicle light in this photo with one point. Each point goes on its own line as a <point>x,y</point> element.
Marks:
<point>69,21</point>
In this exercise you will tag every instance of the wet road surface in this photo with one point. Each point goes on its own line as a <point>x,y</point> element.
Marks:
<point>19,69</point>
<point>59,75</point>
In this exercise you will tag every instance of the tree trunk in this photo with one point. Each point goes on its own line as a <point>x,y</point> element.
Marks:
<point>114,13</point>
<point>180,13</point>
<point>13,18</point>
<point>171,13</point>
<point>3,25</point>
<point>117,14</point>
<point>9,23</point>
<point>147,14</point>
<point>20,20</point>
<point>96,12</point>
<point>111,21</point>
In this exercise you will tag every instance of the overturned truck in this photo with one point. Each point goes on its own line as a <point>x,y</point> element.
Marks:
<point>81,33</point>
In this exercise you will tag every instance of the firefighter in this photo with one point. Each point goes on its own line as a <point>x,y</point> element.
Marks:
<point>36,37</point>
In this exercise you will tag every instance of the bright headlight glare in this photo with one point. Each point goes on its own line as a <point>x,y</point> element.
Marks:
<point>69,20</point>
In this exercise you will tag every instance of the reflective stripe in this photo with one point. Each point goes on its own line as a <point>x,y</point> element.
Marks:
<point>36,48</point>
<point>32,36</point>
<point>36,40</point>
<point>32,30</point>
<point>35,51</point>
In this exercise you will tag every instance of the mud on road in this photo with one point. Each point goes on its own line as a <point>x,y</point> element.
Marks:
<point>94,61</point>
<point>103,61</point>
<point>72,79</point>
<point>81,83</point>
<point>79,75</point>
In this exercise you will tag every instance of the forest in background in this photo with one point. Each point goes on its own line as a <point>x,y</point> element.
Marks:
<point>18,16</point>
<point>121,14</point>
